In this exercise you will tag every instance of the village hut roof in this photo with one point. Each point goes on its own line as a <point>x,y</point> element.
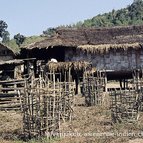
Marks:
<point>8,48</point>
<point>51,42</point>
<point>115,37</point>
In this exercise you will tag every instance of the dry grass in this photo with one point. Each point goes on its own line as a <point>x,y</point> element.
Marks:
<point>10,126</point>
<point>93,124</point>
<point>103,48</point>
<point>86,123</point>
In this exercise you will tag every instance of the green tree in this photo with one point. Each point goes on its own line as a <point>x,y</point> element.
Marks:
<point>131,15</point>
<point>79,24</point>
<point>3,33</point>
<point>49,32</point>
<point>5,37</point>
<point>19,39</point>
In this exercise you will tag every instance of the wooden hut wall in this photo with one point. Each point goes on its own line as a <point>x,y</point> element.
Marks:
<point>114,59</point>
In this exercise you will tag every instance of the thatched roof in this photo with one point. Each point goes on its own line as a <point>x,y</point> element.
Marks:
<point>105,47</point>
<point>6,47</point>
<point>52,66</point>
<point>120,36</point>
<point>96,36</point>
<point>51,42</point>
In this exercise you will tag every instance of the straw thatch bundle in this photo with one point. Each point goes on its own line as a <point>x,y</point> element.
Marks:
<point>106,47</point>
<point>52,66</point>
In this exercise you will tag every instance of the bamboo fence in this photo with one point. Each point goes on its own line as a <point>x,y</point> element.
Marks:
<point>46,106</point>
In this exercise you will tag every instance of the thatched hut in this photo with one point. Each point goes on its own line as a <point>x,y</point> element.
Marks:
<point>11,69</point>
<point>113,49</point>
<point>7,64</point>
<point>6,53</point>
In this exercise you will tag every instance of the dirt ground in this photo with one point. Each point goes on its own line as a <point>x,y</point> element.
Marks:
<point>10,126</point>
<point>89,125</point>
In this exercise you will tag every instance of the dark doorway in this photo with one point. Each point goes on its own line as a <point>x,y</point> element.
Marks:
<point>56,52</point>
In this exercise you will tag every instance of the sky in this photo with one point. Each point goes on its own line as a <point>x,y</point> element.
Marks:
<point>32,17</point>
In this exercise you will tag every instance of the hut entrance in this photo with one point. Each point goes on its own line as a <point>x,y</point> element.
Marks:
<point>56,52</point>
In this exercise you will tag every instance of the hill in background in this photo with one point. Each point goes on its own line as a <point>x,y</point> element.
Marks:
<point>131,15</point>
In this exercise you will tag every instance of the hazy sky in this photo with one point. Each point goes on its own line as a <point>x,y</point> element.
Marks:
<point>31,17</point>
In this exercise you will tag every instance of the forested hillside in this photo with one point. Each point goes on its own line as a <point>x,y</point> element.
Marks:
<point>131,15</point>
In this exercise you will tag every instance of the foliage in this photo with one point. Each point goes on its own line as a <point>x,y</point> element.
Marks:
<point>131,15</point>
<point>49,32</point>
<point>28,40</point>
<point>19,39</point>
<point>3,33</point>
<point>5,37</point>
